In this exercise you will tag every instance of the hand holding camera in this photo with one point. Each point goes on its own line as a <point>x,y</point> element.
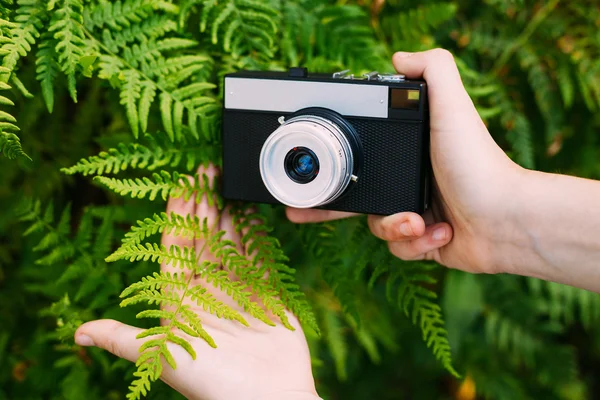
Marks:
<point>341,145</point>
<point>468,217</point>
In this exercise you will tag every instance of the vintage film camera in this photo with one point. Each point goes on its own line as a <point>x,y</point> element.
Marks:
<point>336,142</point>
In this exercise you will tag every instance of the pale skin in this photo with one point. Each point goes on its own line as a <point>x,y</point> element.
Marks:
<point>488,216</point>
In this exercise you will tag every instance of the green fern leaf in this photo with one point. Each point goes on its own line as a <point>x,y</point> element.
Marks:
<point>165,110</point>
<point>155,282</point>
<point>238,293</point>
<point>267,256</point>
<point>176,256</point>
<point>130,93</point>
<point>10,146</point>
<point>209,303</point>
<point>333,334</point>
<point>174,224</point>
<point>67,26</point>
<point>47,69</point>
<point>148,94</point>
<point>242,26</point>
<point>135,155</point>
<point>417,302</point>
<point>165,184</point>
<point>149,370</point>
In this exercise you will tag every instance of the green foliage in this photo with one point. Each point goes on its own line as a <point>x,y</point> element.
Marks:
<point>10,146</point>
<point>419,302</point>
<point>147,74</point>
<point>240,26</point>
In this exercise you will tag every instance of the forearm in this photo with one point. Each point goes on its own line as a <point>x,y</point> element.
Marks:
<point>553,232</point>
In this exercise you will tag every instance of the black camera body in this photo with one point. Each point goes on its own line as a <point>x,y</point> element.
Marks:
<point>336,142</point>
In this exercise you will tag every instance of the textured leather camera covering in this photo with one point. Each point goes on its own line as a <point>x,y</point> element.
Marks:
<point>392,179</point>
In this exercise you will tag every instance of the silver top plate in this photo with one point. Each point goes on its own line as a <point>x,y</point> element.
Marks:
<point>358,100</point>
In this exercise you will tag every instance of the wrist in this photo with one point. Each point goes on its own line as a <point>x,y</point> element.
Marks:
<point>516,248</point>
<point>509,241</point>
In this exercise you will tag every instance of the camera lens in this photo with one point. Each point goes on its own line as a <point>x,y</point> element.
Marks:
<point>301,165</point>
<point>310,159</point>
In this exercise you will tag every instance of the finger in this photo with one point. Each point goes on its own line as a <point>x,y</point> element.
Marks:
<point>112,336</point>
<point>208,211</point>
<point>183,208</point>
<point>424,247</point>
<point>302,216</point>
<point>398,227</point>
<point>121,340</point>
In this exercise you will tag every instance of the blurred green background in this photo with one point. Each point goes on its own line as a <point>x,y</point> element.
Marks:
<point>533,70</point>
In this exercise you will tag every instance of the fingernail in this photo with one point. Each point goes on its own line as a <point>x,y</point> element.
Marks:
<point>439,234</point>
<point>406,229</point>
<point>402,54</point>
<point>84,340</point>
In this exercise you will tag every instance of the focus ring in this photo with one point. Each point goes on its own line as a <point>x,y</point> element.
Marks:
<point>330,150</point>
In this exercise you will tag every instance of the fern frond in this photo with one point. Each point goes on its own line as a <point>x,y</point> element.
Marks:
<point>237,291</point>
<point>176,256</point>
<point>417,302</point>
<point>67,26</point>
<point>133,55</point>
<point>241,26</point>
<point>149,370</point>
<point>194,323</point>
<point>159,289</point>
<point>23,32</point>
<point>172,103</point>
<point>155,282</point>
<point>63,228</point>
<point>17,39</point>
<point>336,275</point>
<point>166,184</point>
<point>149,157</point>
<point>119,15</point>
<point>74,255</point>
<point>174,224</point>
<point>10,146</point>
<point>337,343</point>
<point>511,336</point>
<point>47,68</point>
<point>149,29</point>
<point>411,28</point>
<point>567,303</point>
<point>267,257</point>
<point>150,297</point>
<point>202,297</point>
<point>546,94</point>
<point>130,94</point>
<point>148,94</point>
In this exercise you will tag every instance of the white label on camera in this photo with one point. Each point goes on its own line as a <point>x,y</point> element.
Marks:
<point>349,99</point>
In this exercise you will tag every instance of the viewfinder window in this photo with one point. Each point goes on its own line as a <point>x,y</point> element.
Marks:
<point>405,99</point>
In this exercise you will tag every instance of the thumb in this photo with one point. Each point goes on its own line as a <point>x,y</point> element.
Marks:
<point>449,102</point>
<point>110,335</point>
<point>436,66</point>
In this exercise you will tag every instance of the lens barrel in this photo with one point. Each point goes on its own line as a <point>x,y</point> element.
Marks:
<point>310,159</point>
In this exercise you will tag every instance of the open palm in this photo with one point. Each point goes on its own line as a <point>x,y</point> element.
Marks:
<point>255,362</point>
